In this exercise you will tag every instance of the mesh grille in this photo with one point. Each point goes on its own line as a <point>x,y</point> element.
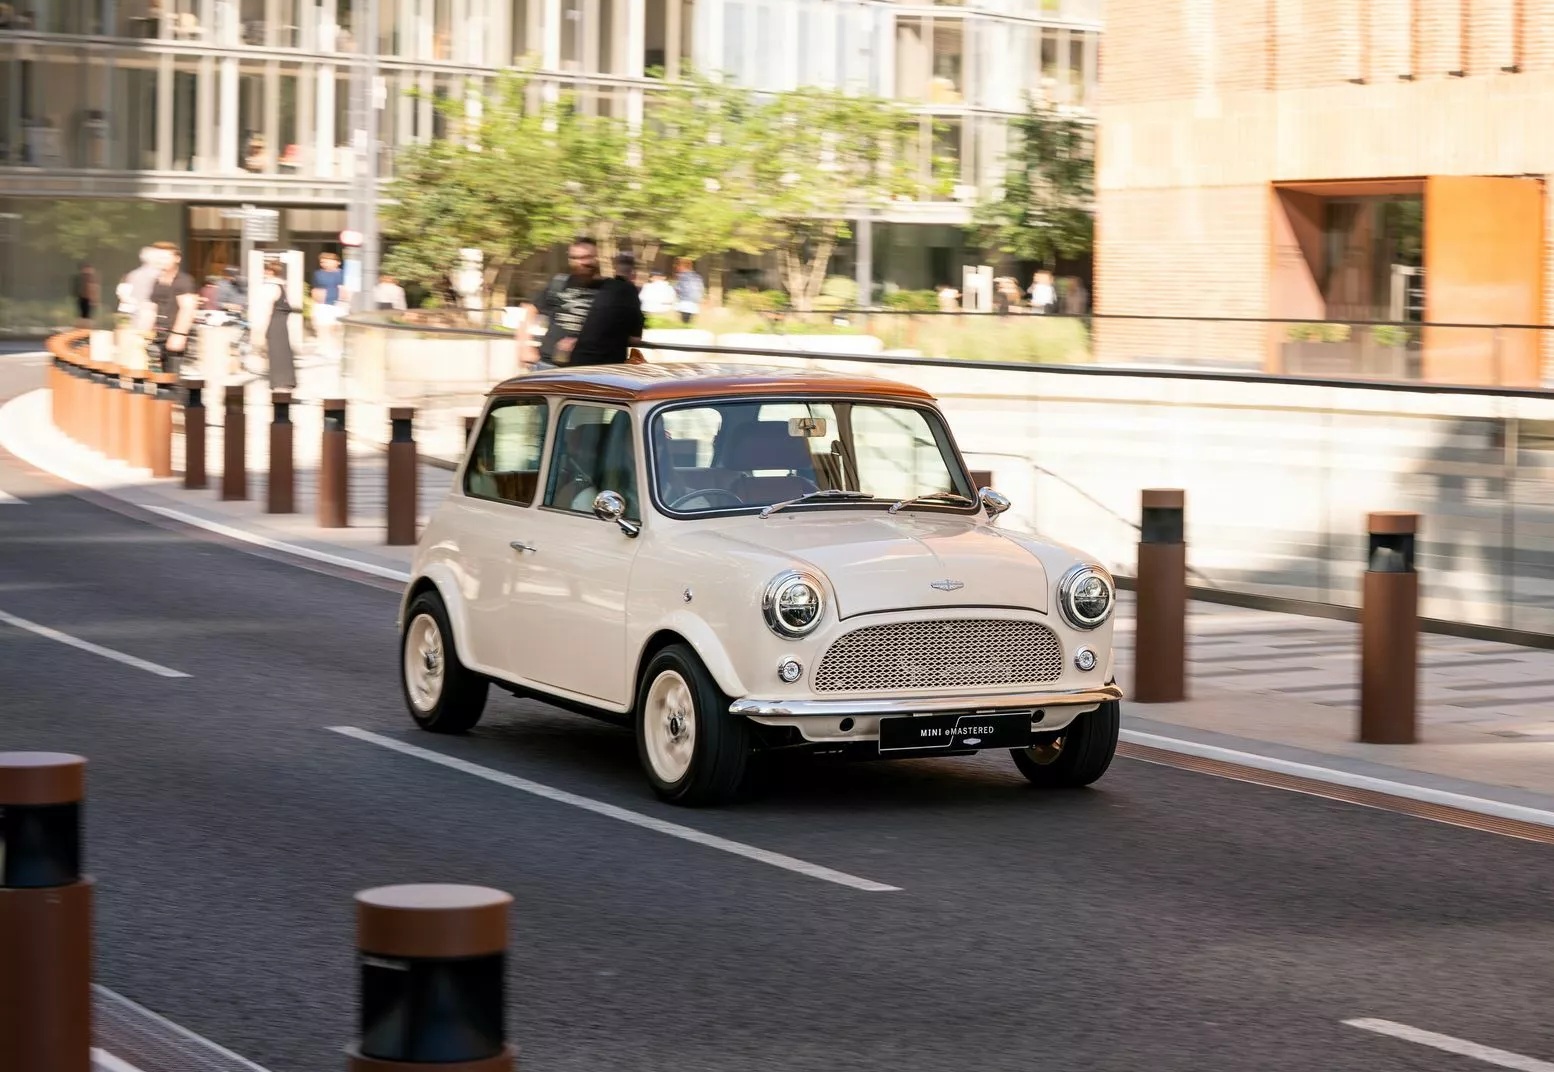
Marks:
<point>953,654</point>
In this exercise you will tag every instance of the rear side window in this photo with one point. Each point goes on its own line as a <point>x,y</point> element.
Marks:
<point>505,464</point>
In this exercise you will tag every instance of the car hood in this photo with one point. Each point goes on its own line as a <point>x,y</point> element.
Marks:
<point>879,562</point>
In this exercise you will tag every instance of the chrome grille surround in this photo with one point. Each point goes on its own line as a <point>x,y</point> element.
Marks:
<point>946,653</point>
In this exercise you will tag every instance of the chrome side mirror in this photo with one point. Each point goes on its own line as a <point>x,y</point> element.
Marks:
<point>993,501</point>
<point>610,506</point>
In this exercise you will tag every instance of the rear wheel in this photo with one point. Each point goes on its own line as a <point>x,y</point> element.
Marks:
<point>443,695</point>
<point>693,751</point>
<point>1077,756</point>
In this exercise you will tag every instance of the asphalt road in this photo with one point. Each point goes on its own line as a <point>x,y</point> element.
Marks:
<point>1162,920</point>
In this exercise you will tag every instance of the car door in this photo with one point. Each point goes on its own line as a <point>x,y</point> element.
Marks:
<point>576,580</point>
<point>500,489</point>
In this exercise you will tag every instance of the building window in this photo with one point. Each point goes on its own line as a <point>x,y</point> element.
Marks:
<point>186,112</point>
<point>1373,250</point>
<point>912,63</point>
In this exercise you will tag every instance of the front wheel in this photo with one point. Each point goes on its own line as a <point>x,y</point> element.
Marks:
<point>693,751</point>
<point>443,695</point>
<point>1077,756</point>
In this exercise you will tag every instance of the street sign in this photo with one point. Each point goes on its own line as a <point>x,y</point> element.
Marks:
<point>259,224</point>
<point>350,238</point>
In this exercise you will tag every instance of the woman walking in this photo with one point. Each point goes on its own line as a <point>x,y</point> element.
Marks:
<point>277,332</point>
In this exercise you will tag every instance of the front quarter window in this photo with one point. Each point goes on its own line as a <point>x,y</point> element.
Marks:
<point>748,454</point>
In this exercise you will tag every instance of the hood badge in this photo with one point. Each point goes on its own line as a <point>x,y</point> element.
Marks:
<point>947,586</point>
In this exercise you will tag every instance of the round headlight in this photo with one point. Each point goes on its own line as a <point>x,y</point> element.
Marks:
<point>1086,596</point>
<point>792,604</point>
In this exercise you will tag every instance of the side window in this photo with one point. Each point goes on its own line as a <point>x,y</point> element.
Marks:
<point>505,465</point>
<point>594,452</point>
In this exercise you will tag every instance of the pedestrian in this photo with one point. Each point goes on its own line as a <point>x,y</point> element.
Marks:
<point>565,301</point>
<point>658,297</point>
<point>277,330</point>
<point>88,292</point>
<point>614,321</point>
<point>690,289</point>
<point>388,294</point>
<point>330,300</point>
<point>135,290</point>
<point>176,302</point>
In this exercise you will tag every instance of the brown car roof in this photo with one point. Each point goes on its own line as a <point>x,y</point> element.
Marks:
<point>640,382</point>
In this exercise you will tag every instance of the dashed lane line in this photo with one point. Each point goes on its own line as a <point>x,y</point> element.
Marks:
<point>1463,1048</point>
<point>86,645</point>
<point>611,811</point>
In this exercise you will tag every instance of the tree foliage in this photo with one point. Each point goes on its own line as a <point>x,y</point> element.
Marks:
<point>712,167</point>
<point>1047,208</point>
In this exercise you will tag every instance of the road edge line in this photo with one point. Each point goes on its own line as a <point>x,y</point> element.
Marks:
<point>271,544</point>
<point>1332,776</point>
<point>1449,1044</point>
<point>178,1029</point>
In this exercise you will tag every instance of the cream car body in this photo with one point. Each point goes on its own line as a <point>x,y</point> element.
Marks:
<point>927,610</point>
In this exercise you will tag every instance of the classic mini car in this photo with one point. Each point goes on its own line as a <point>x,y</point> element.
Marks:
<point>734,558</point>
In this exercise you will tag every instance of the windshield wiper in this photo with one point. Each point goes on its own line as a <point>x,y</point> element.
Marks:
<point>940,496</point>
<point>828,493</point>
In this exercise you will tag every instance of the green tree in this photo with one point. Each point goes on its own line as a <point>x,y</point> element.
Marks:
<point>1047,207</point>
<point>817,158</point>
<point>499,183</point>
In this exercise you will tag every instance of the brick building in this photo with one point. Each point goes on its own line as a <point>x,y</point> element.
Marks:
<point>1351,161</point>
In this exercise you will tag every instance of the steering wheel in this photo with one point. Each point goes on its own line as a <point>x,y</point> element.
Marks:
<point>708,494</point>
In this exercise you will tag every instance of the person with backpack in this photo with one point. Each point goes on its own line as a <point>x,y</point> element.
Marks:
<point>565,303</point>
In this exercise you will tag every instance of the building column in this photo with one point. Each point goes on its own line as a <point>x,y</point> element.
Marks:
<point>207,112</point>
<point>227,128</point>
<point>164,112</point>
<point>636,37</point>
<point>674,35</point>
<point>324,131</point>
<point>865,266</point>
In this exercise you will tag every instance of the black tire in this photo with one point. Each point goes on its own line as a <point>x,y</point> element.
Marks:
<point>1084,750</point>
<point>720,744</point>
<point>460,699</point>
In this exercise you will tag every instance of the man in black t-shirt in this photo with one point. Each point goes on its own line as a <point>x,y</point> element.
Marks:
<point>566,300</point>
<point>614,319</point>
<point>177,301</point>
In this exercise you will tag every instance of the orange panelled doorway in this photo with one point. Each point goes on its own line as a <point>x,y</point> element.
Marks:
<point>1483,259</point>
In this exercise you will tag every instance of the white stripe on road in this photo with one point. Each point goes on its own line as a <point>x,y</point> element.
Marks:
<point>11,500</point>
<point>685,833</point>
<point>87,645</point>
<point>1332,776</point>
<point>182,1032</point>
<point>280,545</point>
<point>1487,1054</point>
<point>103,1061</point>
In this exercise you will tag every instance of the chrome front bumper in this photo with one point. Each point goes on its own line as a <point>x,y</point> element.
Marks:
<point>921,705</point>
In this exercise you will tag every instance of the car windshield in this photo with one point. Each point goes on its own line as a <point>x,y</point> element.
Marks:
<point>745,454</point>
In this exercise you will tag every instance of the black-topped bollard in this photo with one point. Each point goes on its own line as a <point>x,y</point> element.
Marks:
<point>194,473</point>
<point>1160,639</point>
<point>1389,632</point>
<point>402,483</point>
<point>281,490</point>
<point>45,915</point>
<point>432,962</point>
<point>334,490</point>
<point>234,447</point>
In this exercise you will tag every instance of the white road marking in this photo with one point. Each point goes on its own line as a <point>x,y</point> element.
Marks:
<point>280,545</point>
<point>181,1032</point>
<point>1478,805</point>
<point>103,1061</point>
<point>1487,1054</point>
<point>11,500</point>
<point>685,833</point>
<point>87,645</point>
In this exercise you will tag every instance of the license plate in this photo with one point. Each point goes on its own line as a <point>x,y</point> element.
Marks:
<point>948,732</point>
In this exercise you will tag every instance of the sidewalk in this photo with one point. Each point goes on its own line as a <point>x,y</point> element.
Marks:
<point>1278,688</point>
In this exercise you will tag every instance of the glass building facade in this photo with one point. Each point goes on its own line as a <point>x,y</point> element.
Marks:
<point>166,112</point>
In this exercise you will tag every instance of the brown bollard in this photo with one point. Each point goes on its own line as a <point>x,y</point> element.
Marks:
<point>432,978</point>
<point>1160,638</point>
<point>334,492</point>
<point>281,497</point>
<point>234,446</point>
<point>403,492</point>
<point>45,915</point>
<point>138,420</point>
<point>65,396</point>
<point>194,475</point>
<point>1389,632</point>
<point>163,388</point>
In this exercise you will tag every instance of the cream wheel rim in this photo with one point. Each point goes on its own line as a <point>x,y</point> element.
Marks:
<point>424,663</point>
<point>669,726</point>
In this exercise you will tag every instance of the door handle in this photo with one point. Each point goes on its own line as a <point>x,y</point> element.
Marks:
<point>519,545</point>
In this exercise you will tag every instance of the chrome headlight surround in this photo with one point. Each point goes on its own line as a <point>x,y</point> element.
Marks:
<point>772,603</point>
<point>1070,583</point>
